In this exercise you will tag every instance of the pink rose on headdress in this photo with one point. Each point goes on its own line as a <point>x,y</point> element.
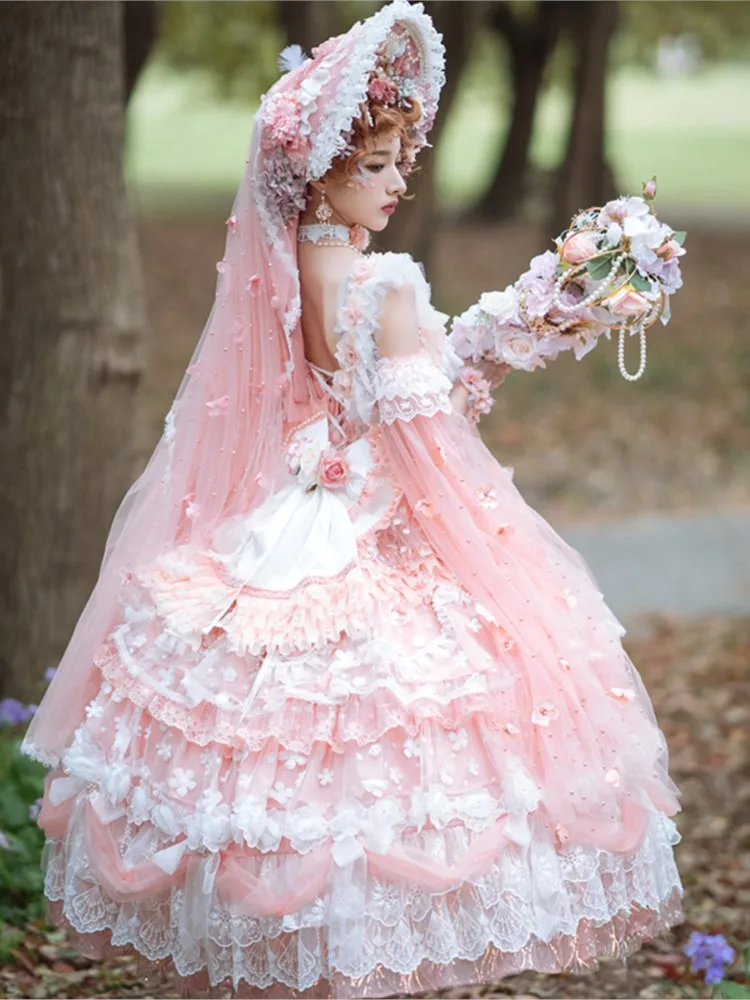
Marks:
<point>382,89</point>
<point>334,469</point>
<point>282,121</point>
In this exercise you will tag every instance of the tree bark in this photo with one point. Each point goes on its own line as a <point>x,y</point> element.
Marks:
<point>584,178</point>
<point>530,43</point>
<point>72,320</point>
<point>412,227</point>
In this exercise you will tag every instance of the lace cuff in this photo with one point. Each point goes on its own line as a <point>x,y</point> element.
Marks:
<point>452,364</point>
<point>410,385</point>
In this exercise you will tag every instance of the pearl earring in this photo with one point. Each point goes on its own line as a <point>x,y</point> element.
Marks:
<point>324,211</point>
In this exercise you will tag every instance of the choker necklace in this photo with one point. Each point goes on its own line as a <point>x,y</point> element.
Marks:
<point>334,235</point>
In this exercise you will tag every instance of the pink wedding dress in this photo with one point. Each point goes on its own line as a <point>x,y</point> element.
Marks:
<point>381,736</point>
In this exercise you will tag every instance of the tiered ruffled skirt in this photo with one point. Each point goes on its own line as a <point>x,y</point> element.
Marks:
<point>369,789</point>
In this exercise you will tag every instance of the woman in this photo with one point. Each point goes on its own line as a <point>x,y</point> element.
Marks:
<point>344,716</point>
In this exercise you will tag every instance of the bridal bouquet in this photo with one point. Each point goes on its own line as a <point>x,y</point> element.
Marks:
<point>615,267</point>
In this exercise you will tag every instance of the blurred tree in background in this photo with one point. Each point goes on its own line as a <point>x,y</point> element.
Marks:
<point>518,47</point>
<point>72,317</point>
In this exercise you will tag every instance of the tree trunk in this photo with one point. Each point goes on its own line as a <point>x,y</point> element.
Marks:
<point>72,320</point>
<point>412,227</point>
<point>530,44</point>
<point>308,24</point>
<point>140,30</point>
<point>584,178</point>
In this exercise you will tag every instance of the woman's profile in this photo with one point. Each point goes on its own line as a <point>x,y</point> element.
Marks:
<point>344,716</point>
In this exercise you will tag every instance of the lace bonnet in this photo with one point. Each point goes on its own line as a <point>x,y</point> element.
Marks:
<point>307,115</point>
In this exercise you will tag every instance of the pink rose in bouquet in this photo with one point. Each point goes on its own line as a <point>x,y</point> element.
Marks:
<point>614,268</point>
<point>578,247</point>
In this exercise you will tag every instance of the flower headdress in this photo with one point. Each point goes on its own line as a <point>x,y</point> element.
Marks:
<point>307,116</point>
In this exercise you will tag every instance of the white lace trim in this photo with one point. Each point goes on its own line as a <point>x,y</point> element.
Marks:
<point>357,322</point>
<point>529,903</point>
<point>330,139</point>
<point>410,386</point>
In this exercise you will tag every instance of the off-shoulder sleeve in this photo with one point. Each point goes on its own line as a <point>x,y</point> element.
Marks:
<point>387,372</point>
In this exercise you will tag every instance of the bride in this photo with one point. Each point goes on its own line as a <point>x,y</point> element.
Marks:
<point>344,716</point>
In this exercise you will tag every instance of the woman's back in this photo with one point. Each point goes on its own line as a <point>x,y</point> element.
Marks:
<point>321,275</point>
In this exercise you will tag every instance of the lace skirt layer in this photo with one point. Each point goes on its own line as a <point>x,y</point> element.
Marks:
<point>400,799</point>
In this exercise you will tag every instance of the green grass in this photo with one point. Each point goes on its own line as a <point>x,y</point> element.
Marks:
<point>692,133</point>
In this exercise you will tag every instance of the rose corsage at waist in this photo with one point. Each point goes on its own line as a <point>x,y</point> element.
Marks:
<point>614,268</point>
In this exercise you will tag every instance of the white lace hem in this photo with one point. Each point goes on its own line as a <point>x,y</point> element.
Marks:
<point>541,909</point>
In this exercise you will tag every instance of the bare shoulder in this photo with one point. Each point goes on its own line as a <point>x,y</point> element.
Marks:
<point>325,268</point>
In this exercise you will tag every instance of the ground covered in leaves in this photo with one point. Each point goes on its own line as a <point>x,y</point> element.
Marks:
<point>698,677</point>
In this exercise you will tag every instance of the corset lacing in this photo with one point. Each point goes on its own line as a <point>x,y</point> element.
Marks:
<point>321,376</point>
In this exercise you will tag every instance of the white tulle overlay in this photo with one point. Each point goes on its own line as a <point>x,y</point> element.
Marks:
<point>377,736</point>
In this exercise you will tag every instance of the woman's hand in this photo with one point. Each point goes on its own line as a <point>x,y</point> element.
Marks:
<point>494,373</point>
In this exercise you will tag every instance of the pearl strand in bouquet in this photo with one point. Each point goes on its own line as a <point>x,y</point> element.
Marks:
<point>614,268</point>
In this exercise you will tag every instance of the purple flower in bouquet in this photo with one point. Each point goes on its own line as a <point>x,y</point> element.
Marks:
<point>709,952</point>
<point>615,267</point>
<point>539,283</point>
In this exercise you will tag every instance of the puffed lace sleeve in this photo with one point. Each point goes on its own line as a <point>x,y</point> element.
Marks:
<point>389,369</point>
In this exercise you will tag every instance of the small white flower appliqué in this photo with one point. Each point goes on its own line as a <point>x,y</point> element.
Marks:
<point>487,497</point>
<point>543,712</point>
<point>570,599</point>
<point>291,759</point>
<point>182,781</point>
<point>459,739</point>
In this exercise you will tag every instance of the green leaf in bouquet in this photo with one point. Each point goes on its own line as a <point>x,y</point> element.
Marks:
<point>598,268</point>
<point>640,283</point>
<point>679,236</point>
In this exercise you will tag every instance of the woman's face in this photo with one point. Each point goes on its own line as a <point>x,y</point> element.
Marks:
<point>375,185</point>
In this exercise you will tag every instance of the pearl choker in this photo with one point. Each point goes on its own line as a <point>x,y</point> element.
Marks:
<point>334,235</point>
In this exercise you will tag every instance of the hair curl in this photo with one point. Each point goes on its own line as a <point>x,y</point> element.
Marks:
<point>378,119</point>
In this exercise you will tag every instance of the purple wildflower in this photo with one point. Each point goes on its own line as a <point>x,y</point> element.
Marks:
<point>49,673</point>
<point>34,809</point>
<point>4,842</point>
<point>710,952</point>
<point>14,712</point>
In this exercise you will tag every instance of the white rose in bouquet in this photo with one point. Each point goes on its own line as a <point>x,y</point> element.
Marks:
<point>502,306</point>
<point>614,268</point>
<point>519,348</point>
